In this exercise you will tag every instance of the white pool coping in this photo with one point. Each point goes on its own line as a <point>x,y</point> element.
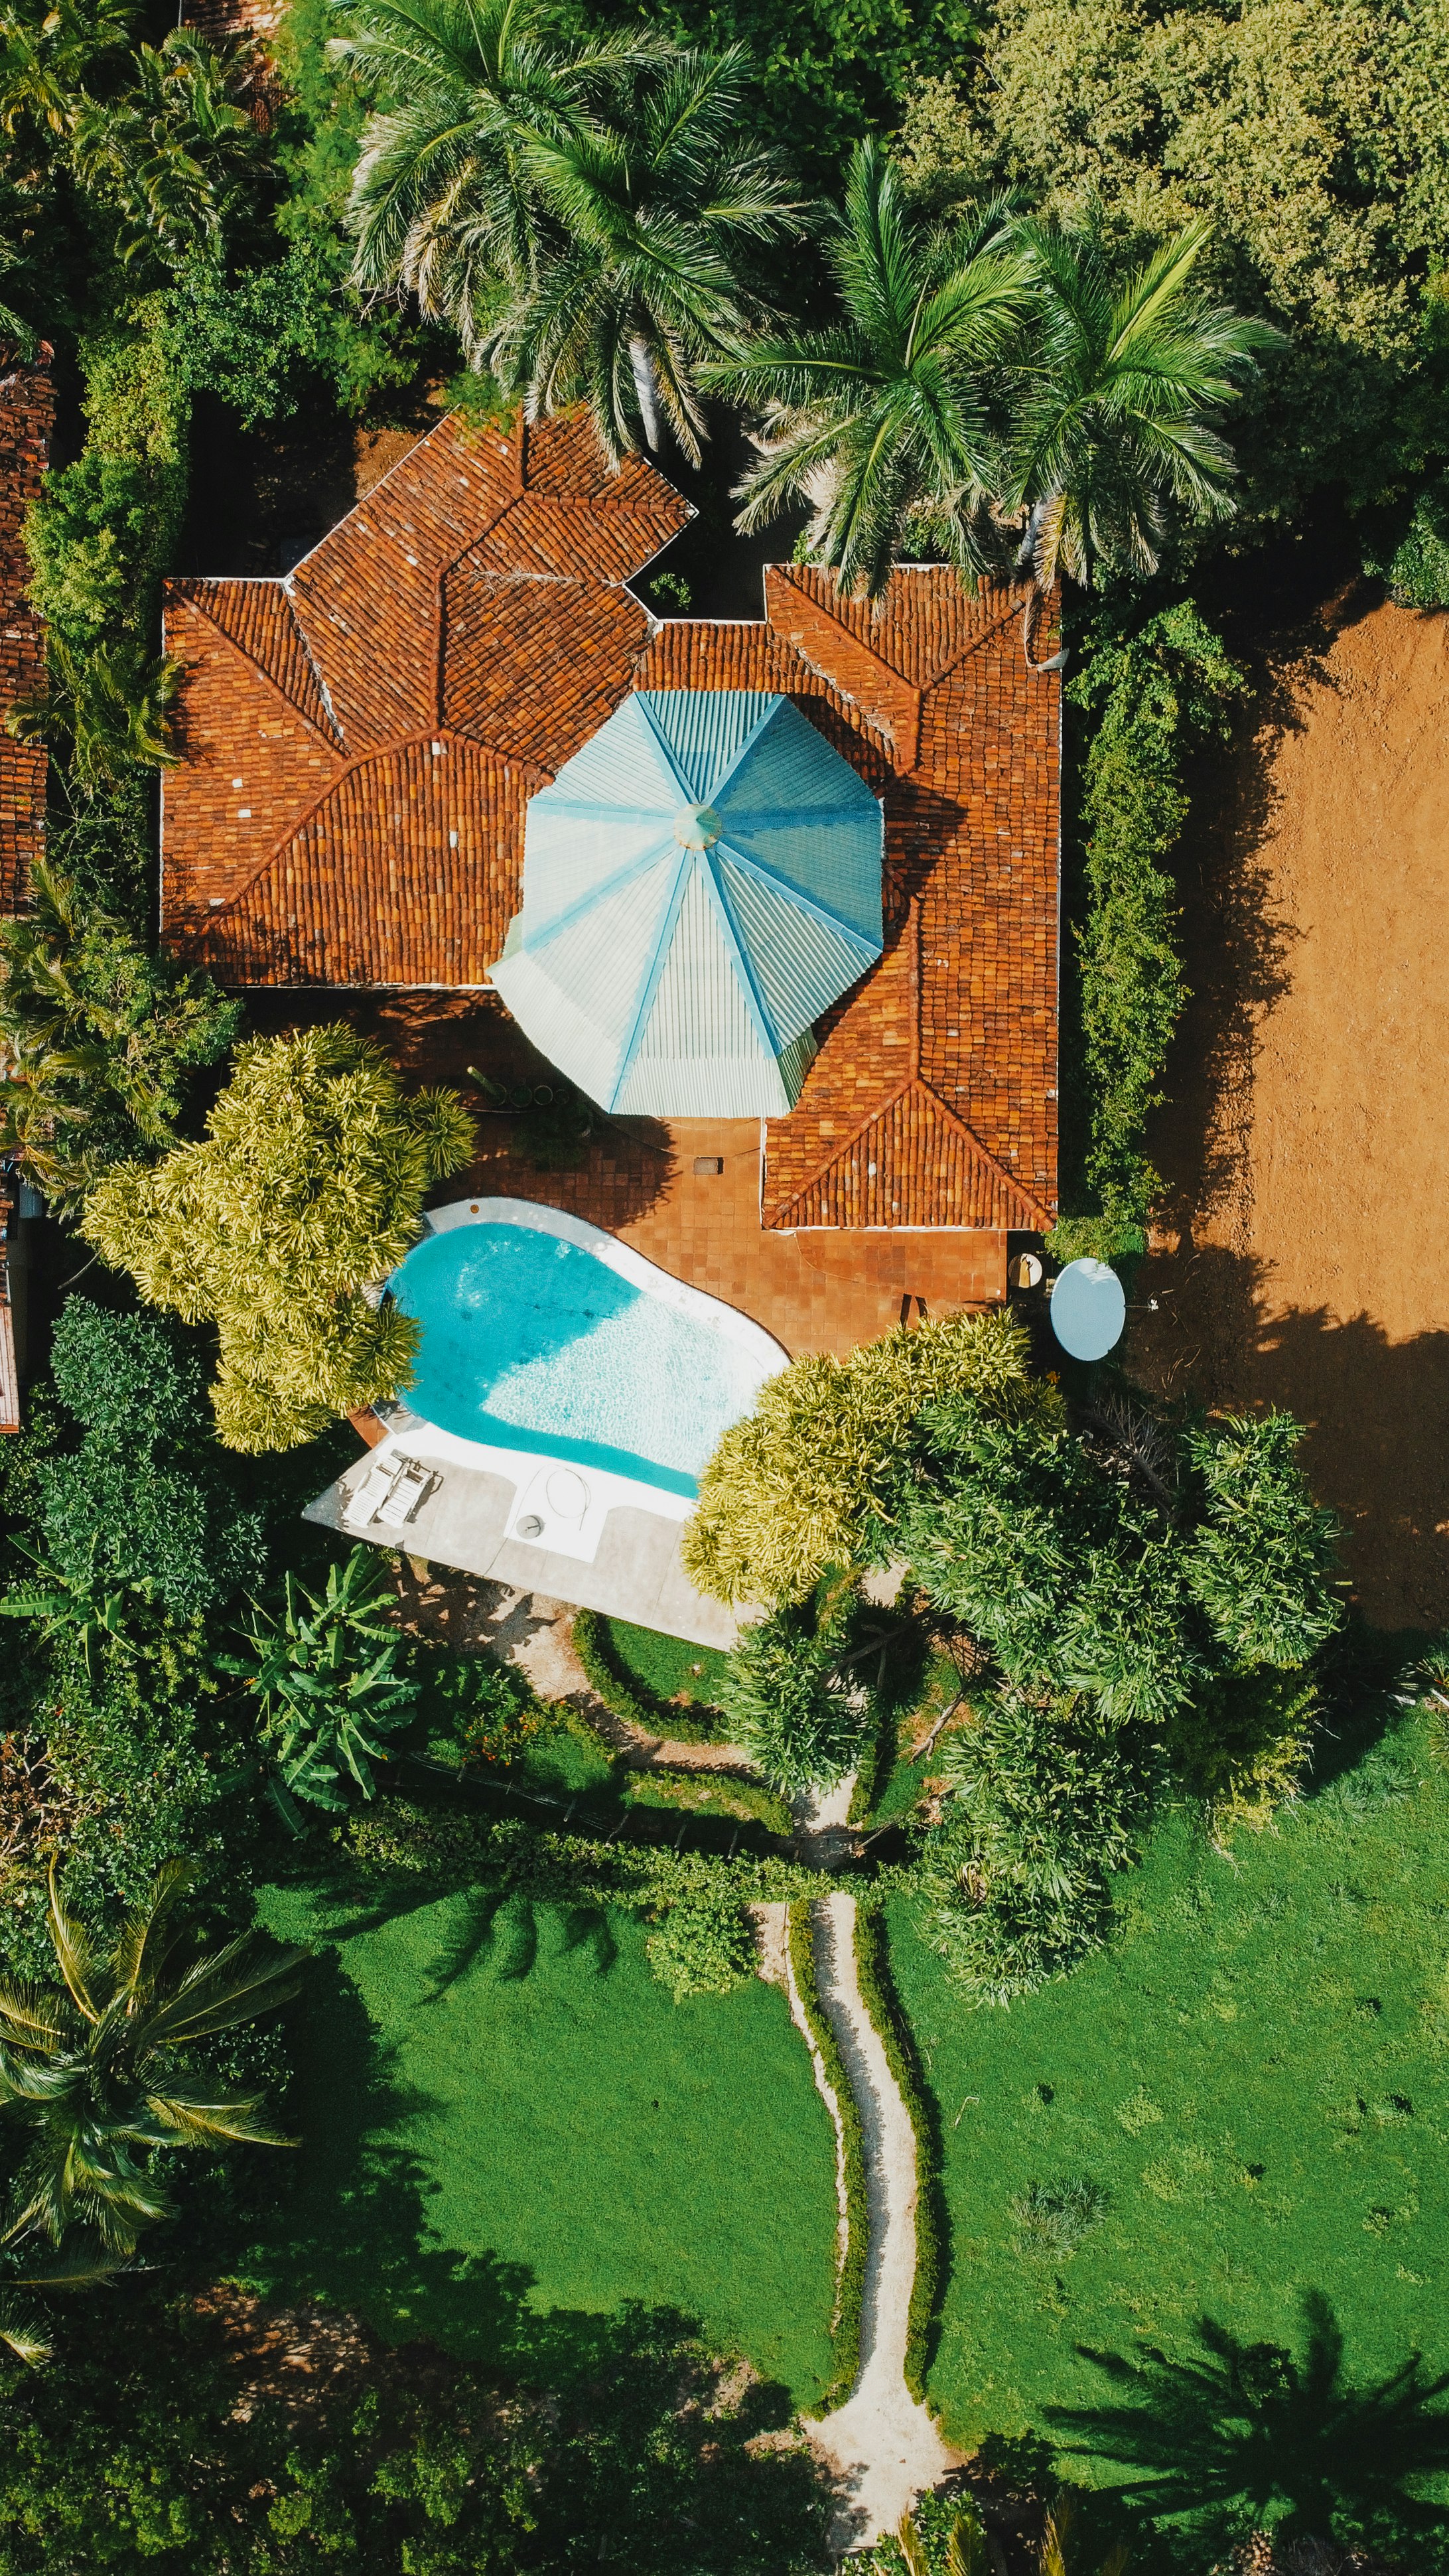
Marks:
<point>570,1533</point>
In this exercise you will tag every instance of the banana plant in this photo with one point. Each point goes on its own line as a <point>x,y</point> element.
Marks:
<point>75,1605</point>
<point>325,1675</point>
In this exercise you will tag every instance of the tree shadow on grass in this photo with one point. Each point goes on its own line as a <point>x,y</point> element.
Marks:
<point>655,2450</point>
<point>1251,2435</point>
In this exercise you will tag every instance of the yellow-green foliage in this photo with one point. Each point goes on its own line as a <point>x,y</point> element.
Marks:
<point>1242,1745</point>
<point>307,1187</point>
<point>790,1490</point>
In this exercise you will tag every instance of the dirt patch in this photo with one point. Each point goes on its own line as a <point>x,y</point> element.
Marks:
<point>1299,1261</point>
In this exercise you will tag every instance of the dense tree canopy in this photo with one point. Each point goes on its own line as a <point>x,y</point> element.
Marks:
<point>1310,137</point>
<point>306,1189</point>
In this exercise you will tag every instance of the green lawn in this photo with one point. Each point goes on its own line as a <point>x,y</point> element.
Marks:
<point>669,1665</point>
<point>1254,2076</point>
<point>510,2130</point>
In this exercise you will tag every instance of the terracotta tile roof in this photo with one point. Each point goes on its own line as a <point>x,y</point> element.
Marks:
<point>390,708</point>
<point>402,873</point>
<point>27,416</point>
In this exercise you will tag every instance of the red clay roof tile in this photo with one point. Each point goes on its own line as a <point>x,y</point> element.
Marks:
<point>476,602</point>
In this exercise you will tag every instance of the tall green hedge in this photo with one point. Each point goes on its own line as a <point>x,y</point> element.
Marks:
<point>1155,695</point>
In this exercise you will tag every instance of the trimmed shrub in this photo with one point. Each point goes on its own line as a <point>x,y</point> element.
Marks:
<point>850,2285</point>
<point>703,1946</point>
<point>1015,1879</point>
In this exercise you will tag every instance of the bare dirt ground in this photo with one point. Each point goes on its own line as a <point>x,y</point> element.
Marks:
<point>1299,1261</point>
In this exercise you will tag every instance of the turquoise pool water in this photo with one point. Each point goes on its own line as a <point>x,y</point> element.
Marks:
<point>534,1343</point>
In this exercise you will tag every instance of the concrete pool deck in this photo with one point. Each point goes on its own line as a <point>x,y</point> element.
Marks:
<point>634,1573</point>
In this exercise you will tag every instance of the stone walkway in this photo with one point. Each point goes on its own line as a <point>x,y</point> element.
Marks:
<point>882,2442</point>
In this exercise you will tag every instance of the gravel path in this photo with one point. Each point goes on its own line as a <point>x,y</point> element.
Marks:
<point>882,2442</point>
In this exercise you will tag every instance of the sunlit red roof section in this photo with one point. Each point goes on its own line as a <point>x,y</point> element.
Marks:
<point>361,740</point>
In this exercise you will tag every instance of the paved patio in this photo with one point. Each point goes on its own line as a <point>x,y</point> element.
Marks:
<point>821,1289</point>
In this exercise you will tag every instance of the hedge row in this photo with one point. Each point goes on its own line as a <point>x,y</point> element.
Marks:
<point>625,1693</point>
<point>878,1993</point>
<point>1155,695</point>
<point>850,2289</point>
<point>753,1796</point>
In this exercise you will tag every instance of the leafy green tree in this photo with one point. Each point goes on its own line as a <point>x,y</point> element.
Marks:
<point>143,1499</point>
<point>805,1482</point>
<point>92,2069</point>
<point>306,1190</point>
<point>1262,1564</point>
<point>1049,1560</point>
<point>133,2447</point>
<point>883,420</point>
<point>790,1706</point>
<point>97,1037</point>
<point>325,1674</point>
<point>167,153</point>
<point>1013,1885</point>
<point>1311,136</point>
<point>1114,409</point>
<point>586,217</point>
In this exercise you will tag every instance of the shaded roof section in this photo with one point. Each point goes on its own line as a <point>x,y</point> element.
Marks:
<point>307,844</point>
<point>27,417</point>
<point>700,883</point>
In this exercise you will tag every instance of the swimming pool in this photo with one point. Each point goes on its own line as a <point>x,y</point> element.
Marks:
<point>543,1334</point>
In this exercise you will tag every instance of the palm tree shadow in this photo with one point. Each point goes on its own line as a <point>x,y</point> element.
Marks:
<point>1248,2435</point>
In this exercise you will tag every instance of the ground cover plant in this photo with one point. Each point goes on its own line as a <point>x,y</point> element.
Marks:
<point>169,2432</point>
<point>511,2130</point>
<point>1228,2133</point>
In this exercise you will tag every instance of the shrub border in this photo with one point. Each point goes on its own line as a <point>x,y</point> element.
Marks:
<point>765,1805</point>
<point>850,2285</point>
<point>883,2004</point>
<point>625,1693</point>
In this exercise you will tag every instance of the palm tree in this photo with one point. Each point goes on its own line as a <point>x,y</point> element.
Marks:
<point>471,80</point>
<point>883,420</point>
<point>90,2067</point>
<point>48,54</point>
<point>581,215</point>
<point>1119,391</point>
<point>112,701</point>
<point>652,219</point>
<point>165,151</point>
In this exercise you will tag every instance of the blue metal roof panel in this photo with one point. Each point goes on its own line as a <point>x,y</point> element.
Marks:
<point>802,960</point>
<point>664,964</point>
<point>706,729</point>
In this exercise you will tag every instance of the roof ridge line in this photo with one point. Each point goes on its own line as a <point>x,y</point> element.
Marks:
<point>913,1082</point>
<point>359,760</point>
<point>278,581</point>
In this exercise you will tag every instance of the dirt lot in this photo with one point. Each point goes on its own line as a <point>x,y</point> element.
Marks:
<point>1299,1262</point>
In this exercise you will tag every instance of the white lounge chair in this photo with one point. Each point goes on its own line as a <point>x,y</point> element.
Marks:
<point>410,1489</point>
<point>366,1499</point>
